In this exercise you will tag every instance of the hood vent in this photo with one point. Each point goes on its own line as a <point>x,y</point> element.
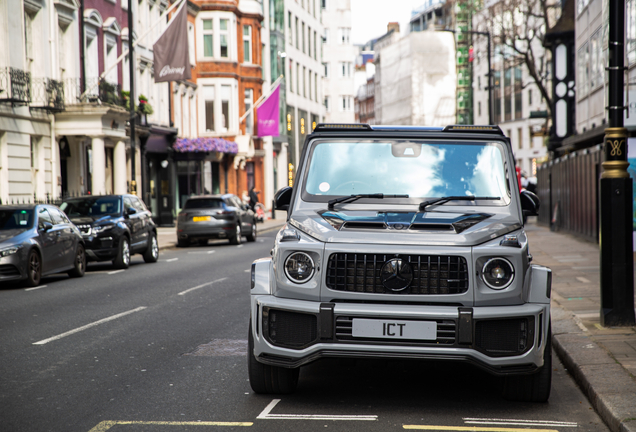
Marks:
<point>364,225</point>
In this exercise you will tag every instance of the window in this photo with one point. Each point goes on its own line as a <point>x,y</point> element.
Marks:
<point>304,81</point>
<point>297,78</point>
<point>323,4</point>
<point>224,37</point>
<point>226,92</point>
<point>529,96</point>
<point>32,152</point>
<point>297,38</point>
<point>326,36</point>
<point>346,103</point>
<point>315,46</point>
<point>596,61</point>
<point>289,28</point>
<point>247,44</point>
<point>291,76</point>
<point>327,104</point>
<point>345,69</point>
<point>303,38</point>
<point>44,216</point>
<point>326,69</point>
<point>208,97</point>
<point>308,41</point>
<point>479,108</point>
<point>520,137</point>
<point>191,51</point>
<point>110,51</point>
<point>630,33</point>
<point>316,87</point>
<point>208,41</point>
<point>249,119</point>
<point>583,70</point>
<point>344,34</point>
<point>28,35</point>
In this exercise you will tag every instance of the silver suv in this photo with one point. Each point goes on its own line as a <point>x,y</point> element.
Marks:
<point>403,242</point>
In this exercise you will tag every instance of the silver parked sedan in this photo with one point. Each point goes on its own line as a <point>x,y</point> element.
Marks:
<point>215,216</point>
<point>37,240</point>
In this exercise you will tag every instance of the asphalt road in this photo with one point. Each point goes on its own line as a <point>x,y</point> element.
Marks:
<point>161,347</point>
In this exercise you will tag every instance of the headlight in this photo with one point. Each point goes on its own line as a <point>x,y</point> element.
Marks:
<point>498,273</point>
<point>299,267</point>
<point>101,228</point>
<point>9,251</point>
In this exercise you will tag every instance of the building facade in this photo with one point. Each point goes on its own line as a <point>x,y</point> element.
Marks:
<point>338,62</point>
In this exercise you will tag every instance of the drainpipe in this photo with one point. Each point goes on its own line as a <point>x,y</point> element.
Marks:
<point>82,37</point>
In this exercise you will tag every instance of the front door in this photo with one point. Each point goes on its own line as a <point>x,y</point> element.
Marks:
<point>51,244</point>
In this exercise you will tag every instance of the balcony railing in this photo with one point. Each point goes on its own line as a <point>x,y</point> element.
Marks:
<point>99,90</point>
<point>47,94</point>
<point>15,86</point>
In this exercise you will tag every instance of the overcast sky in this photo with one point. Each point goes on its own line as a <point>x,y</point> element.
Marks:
<point>370,17</point>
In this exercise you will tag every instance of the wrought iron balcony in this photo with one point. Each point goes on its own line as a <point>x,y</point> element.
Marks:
<point>15,86</point>
<point>99,91</point>
<point>47,94</point>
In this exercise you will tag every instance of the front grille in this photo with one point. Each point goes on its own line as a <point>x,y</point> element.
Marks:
<point>504,337</point>
<point>290,329</point>
<point>432,274</point>
<point>9,270</point>
<point>446,331</point>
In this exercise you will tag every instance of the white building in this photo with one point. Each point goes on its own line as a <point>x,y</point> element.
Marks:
<point>339,62</point>
<point>303,72</point>
<point>514,97</point>
<point>414,90</point>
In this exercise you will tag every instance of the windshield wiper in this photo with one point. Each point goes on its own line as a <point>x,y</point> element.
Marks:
<point>352,198</point>
<point>443,200</point>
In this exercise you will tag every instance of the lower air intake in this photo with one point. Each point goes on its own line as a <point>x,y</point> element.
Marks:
<point>290,329</point>
<point>507,337</point>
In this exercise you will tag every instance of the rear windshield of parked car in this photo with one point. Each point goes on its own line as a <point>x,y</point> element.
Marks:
<point>204,203</point>
<point>16,219</point>
<point>106,206</point>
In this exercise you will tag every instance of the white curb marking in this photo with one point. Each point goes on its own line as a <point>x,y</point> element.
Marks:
<point>265,415</point>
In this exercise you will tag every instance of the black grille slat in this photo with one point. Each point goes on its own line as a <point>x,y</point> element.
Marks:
<point>432,274</point>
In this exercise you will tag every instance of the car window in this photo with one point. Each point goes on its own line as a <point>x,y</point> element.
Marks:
<point>128,204</point>
<point>44,216</point>
<point>58,216</point>
<point>138,204</point>
<point>204,203</point>
<point>16,219</point>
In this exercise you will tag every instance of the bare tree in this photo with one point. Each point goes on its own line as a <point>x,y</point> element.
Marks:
<point>518,30</point>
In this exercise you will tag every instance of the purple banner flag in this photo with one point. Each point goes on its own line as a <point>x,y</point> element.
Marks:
<point>268,115</point>
<point>172,59</point>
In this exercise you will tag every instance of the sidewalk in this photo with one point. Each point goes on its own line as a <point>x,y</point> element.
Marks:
<point>602,360</point>
<point>167,236</point>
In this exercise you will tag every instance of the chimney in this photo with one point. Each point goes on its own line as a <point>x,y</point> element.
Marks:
<point>393,26</point>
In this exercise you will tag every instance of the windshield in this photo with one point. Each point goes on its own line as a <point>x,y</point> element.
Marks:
<point>418,169</point>
<point>102,206</point>
<point>16,219</point>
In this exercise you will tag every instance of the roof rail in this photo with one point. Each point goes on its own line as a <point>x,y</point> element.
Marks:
<point>321,127</point>
<point>473,128</point>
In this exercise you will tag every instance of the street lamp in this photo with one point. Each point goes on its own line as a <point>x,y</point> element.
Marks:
<point>490,121</point>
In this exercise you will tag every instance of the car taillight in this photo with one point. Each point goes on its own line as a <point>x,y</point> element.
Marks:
<point>183,216</point>
<point>225,212</point>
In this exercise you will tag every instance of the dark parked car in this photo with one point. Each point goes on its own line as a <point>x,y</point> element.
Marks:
<point>38,240</point>
<point>114,227</point>
<point>215,216</point>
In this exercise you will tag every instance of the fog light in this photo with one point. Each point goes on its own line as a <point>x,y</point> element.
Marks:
<point>498,273</point>
<point>299,267</point>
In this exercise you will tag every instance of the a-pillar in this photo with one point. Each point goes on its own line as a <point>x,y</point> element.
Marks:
<point>98,176</point>
<point>268,168</point>
<point>120,174</point>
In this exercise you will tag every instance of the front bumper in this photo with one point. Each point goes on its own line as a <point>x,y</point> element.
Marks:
<point>101,248</point>
<point>473,335</point>
<point>13,267</point>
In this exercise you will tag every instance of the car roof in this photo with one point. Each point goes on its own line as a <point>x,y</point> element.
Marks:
<point>21,206</point>
<point>99,196</point>
<point>217,196</point>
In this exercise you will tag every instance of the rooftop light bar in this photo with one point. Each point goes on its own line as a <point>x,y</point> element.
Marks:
<point>473,128</point>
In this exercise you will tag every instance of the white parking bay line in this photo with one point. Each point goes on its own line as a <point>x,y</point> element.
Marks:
<point>582,279</point>
<point>202,252</point>
<point>172,259</point>
<point>265,415</point>
<point>200,286</point>
<point>517,422</point>
<point>34,288</point>
<point>116,271</point>
<point>87,326</point>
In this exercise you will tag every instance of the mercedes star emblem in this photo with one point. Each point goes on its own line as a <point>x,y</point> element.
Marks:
<point>396,274</point>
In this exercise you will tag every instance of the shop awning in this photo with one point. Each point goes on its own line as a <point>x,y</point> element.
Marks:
<point>205,145</point>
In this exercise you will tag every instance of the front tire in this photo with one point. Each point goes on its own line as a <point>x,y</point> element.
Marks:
<point>151,255</point>
<point>266,379</point>
<point>535,387</point>
<point>123,255</point>
<point>34,269</point>
<point>80,263</point>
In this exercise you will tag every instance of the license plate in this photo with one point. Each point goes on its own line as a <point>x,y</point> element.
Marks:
<point>394,329</point>
<point>200,218</point>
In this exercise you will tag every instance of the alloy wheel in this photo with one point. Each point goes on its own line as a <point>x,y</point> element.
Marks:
<point>125,249</point>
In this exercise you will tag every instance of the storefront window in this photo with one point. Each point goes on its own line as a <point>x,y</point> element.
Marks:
<point>189,180</point>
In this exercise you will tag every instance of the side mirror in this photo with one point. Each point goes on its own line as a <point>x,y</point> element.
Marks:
<point>131,211</point>
<point>46,226</point>
<point>529,203</point>
<point>283,198</point>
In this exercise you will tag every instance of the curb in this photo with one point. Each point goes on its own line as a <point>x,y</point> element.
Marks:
<point>610,389</point>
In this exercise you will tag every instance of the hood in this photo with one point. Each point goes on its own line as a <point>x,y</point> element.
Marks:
<point>84,220</point>
<point>8,237</point>
<point>434,228</point>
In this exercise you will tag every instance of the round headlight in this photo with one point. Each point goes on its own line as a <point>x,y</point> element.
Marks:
<point>498,273</point>
<point>299,267</point>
